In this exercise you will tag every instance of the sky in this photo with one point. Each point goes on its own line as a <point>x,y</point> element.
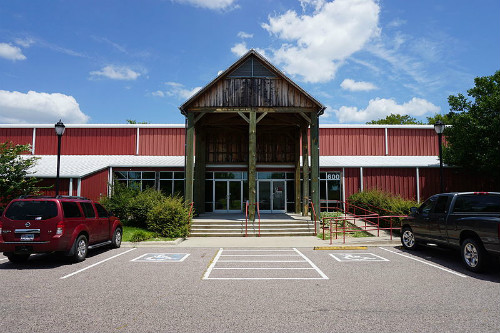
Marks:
<point>103,62</point>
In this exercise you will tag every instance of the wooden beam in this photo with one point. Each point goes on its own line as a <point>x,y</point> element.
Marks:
<point>305,173</point>
<point>199,171</point>
<point>305,117</point>
<point>242,115</point>
<point>261,117</point>
<point>315,161</point>
<point>189,173</point>
<point>199,117</point>
<point>250,109</point>
<point>297,171</point>
<point>252,164</point>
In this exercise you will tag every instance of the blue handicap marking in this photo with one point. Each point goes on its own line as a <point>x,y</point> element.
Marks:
<point>162,257</point>
<point>353,257</point>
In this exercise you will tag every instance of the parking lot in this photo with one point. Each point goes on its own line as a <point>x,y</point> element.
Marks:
<point>250,290</point>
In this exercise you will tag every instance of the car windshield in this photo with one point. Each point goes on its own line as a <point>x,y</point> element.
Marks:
<point>31,210</point>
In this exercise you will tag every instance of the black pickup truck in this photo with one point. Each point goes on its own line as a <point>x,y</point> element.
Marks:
<point>467,221</point>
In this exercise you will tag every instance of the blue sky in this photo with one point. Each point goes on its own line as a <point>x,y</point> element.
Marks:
<point>108,61</point>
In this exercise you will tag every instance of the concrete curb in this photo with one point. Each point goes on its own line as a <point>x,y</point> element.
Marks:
<point>153,243</point>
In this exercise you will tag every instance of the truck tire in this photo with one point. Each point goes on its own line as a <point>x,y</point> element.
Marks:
<point>80,249</point>
<point>408,239</point>
<point>473,255</point>
<point>116,241</point>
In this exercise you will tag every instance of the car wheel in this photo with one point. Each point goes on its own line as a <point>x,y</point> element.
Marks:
<point>408,239</point>
<point>80,249</point>
<point>116,242</point>
<point>18,258</point>
<point>473,255</point>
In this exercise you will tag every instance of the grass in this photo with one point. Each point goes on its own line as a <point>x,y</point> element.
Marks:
<point>148,236</point>
<point>358,233</point>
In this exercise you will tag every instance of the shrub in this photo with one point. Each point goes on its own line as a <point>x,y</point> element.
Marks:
<point>382,203</point>
<point>139,236</point>
<point>169,218</point>
<point>119,202</point>
<point>141,204</point>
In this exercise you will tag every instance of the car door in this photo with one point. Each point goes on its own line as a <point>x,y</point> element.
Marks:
<point>92,222</point>
<point>437,219</point>
<point>420,223</point>
<point>104,219</point>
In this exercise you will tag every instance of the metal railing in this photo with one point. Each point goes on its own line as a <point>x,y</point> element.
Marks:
<point>247,204</point>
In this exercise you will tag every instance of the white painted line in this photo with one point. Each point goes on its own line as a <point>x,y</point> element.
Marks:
<point>258,250</point>
<point>312,264</point>
<point>209,270</point>
<point>261,260</point>
<point>257,268</point>
<point>319,278</point>
<point>97,263</point>
<point>259,255</point>
<point>425,262</point>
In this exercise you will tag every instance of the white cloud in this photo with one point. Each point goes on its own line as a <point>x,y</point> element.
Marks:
<point>381,107</point>
<point>209,4</point>
<point>316,45</point>
<point>25,42</point>
<point>11,52</point>
<point>116,73</point>
<point>239,49</point>
<point>244,35</point>
<point>35,107</point>
<point>177,90</point>
<point>352,85</point>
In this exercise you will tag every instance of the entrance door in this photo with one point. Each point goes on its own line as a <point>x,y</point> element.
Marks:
<point>272,196</point>
<point>227,196</point>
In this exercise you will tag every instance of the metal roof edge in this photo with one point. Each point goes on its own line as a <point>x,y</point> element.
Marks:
<point>94,125</point>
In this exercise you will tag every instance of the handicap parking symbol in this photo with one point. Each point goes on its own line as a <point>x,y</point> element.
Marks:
<point>356,257</point>
<point>162,257</point>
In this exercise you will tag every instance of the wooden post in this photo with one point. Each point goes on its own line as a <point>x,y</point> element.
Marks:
<point>305,168</point>
<point>199,171</point>
<point>189,174</point>
<point>252,164</point>
<point>297,171</point>
<point>315,161</point>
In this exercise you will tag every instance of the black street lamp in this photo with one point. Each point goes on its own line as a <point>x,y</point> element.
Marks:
<point>59,131</point>
<point>439,128</point>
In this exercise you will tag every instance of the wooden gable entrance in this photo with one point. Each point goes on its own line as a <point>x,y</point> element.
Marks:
<point>252,115</point>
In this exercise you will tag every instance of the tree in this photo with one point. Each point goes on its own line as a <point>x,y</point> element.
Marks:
<point>396,119</point>
<point>133,121</point>
<point>445,118</point>
<point>473,140</point>
<point>14,170</point>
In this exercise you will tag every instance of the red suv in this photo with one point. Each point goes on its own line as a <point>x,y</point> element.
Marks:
<point>70,225</point>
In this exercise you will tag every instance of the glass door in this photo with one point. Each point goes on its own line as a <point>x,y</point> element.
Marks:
<point>278,196</point>
<point>271,196</point>
<point>227,196</point>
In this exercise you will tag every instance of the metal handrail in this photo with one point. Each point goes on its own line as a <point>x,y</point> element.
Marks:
<point>315,217</point>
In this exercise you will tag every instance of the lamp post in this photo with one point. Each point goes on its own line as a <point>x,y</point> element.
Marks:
<point>439,128</point>
<point>59,131</point>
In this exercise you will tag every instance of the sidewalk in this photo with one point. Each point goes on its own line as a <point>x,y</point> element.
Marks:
<point>283,241</point>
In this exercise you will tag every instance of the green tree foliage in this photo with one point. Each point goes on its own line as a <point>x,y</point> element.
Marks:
<point>473,140</point>
<point>14,170</point>
<point>396,119</point>
<point>133,121</point>
<point>445,118</point>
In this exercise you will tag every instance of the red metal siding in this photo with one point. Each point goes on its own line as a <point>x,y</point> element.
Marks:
<point>18,136</point>
<point>87,141</point>
<point>398,181</point>
<point>161,141</point>
<point>412,142</point>
<point>352,184</point>
<point>51,183</point>
<point>352,141</point>
<point>95,186</point>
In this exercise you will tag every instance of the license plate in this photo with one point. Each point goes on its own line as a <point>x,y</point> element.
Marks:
<point>27,237</point>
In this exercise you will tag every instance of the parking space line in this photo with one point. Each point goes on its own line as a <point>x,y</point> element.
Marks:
<point>425,262</point>
<point>257,268</point>
<point>261,260</point>
<point>312,264</point>
<point>259,255</point>
<point>97,263</point>
<point>212,264</point>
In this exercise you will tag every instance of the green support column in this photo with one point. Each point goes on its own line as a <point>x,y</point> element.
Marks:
<point>199,171</point>
<point>305,168</point>
<point>189,174</point>
<point>315,161</point>
<point>297,171</point>
<point>252,164</point>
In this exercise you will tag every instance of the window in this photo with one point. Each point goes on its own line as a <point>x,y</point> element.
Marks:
<point>101,211</point>
<point>428,205</point>
<point>172,182</point>
<point>441,205</point>
<point>71,209</point>
<point>88,210</point>
<point>473,203</point>
<point>31,210</point>
<point>138,179</point>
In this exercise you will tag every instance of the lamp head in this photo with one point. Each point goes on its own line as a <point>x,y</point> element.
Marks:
<point>439,127</point>
<point>60,128</point>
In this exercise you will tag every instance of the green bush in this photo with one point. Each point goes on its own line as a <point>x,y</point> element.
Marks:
<point>169,218</point>
<point>141,204</point>
<point>119,202</point>
<point>140,236</point>
<point>382,203</point>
